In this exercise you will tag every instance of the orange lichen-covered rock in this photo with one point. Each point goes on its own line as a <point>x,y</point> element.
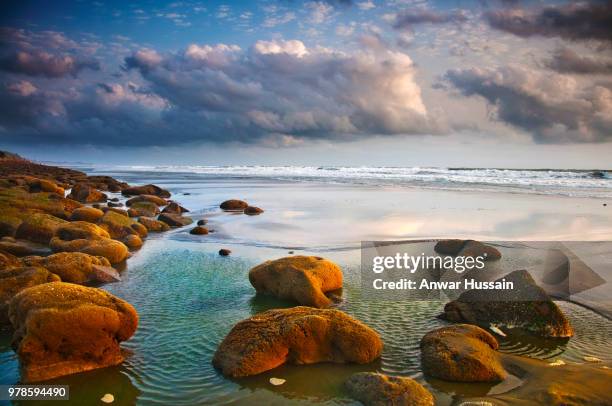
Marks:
<point>303,279</point>
<point>8,260</point>
<point>462,353</point>
<point>299,335</point>
<point>145,190</point>
<point>147,198</point>
<point>153,225</point>
<point>90,214</point>
<point>80,229</point>
<point>73,267</point>
<point>114,251</point>
<point>119,226</point>
<point>38,227</point>
<point>63,328</point>
<point>84,193</point>
<point>14,279</point>
<point>234,205</point>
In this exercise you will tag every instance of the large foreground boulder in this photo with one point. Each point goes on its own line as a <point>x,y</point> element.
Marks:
<point>76,267</point>
<point>539,315</point>
<point>373,389</point>
<point>15,279</point>
<point>303,279</point>
<point>462,353</point>
<point>467,248</point>
<point>300,335</point>
<point>146,190</point>
<point>63,328</point>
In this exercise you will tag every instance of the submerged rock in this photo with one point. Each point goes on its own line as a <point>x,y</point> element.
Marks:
<point>467,248</point>
<point>234,205</point>
<point>373,389</point>
<point>300,335</point>
<point>202,222</point>
<point>73,267</point>
<point>15,279</point>
<point>462,353</point>
<point>84,193</point>
<point>303,279</point>
<point>145,190</point>
<point>174,220</point>
<point>224,252</point>
<point>153,225</point>
<point>63,328</point>
<point>483,307</point>
<point>253,211</point>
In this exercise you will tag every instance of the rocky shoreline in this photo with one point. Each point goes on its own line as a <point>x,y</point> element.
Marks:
<point>63,234</point>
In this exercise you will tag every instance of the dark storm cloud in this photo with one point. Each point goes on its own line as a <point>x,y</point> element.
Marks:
<point>565,60</point>
<point>49,54</point>
<point>405,20</point>
<point>579,21</point>
<point>551,107</point>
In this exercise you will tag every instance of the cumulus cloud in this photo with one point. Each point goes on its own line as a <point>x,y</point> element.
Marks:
<point>407,19</point>
<point>319,11</point>
<point>552,107</point>
<point>48,54</point>
<point>573,21</point>
<point>565,60</point>
<point>275,92</point>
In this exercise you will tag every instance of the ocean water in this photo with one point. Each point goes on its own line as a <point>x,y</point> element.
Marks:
<point>188,297</point>
<point>568,182</point>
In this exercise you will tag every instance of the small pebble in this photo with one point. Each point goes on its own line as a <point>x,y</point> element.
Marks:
<point>277,381</point>
<point>108,398</point>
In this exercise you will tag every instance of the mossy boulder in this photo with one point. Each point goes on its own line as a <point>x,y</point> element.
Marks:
<point>85,193</point>
<point>63,328</point>
<point>50,203</point>
<point>300,335</point>
<point>146,190</point>
<point>303,279</point>
<point>374,389</point>
<point>153,225</point>
<point>147,198</point>
<point>234,205</point>
<point>461,353</point>
<point>174,220</point>
<point>113,250</point>
<point>81,230</point>
<point>119,226</point>
<point>147,209</point>
<point>74,267</point>
<point>89,214</point>
<point>15,279</point>
<point>39,227</point>
<point>525,306</point>
<point>133,242</point>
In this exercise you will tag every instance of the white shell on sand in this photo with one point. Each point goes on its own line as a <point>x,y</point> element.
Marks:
<point>588,358</point>
<point>557,363</point>
<point>277,381</point>
<point>108,398</point>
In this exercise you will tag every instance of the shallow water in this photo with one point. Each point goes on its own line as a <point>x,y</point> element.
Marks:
<point>188,297</point>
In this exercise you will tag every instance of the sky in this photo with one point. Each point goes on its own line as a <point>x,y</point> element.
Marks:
<point>484,83</point>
